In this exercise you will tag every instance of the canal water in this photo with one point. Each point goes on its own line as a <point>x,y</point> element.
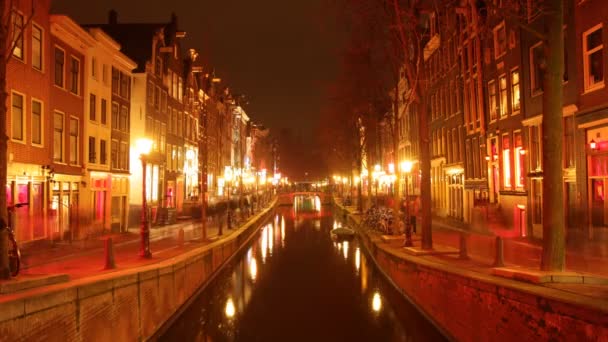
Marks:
<point>293,283</point>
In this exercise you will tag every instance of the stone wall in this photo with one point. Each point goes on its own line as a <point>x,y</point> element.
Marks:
<point>471,306</point>
<point>127,305</point>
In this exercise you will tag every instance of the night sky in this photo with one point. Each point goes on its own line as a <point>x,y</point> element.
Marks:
<point>281,54</point>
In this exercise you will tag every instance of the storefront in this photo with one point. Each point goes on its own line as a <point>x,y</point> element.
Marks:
<point>63,209</point>
<point>120,203</point>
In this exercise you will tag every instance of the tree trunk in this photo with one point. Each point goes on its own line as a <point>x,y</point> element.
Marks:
<point>553,257</point>
<point>4,265</point>
<point>360,186</point>
<point>425,180</point>
<point>396,161</point>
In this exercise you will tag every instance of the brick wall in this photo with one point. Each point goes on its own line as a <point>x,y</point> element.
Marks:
<point>125,305</point>
<point>477,308</point>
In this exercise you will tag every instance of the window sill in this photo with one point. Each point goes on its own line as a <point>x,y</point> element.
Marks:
<point>37,145</point>
<point>593,88</point>
<point>21,142</point>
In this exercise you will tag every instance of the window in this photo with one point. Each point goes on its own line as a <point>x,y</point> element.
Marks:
<point>593,58</point>
<point>506,161</point>
<point>174,93</point>
<point>518,158</point>
<point>124,118</point>
<point>536,68</point>
<point>37,47</point>
<point>59,67</point>
<point>122,156</point>
<point>157,93</point>
<point>500,40</point>
<point>492,100</point>
<point>92,105</point>
<point>36,122</point>
<point>91,149</point>
<point>17,116</point>
<point>180,91</point>
<point>569,158</point>
<point>58,137</point>
<point>74,131</point>
<point>115,81</point>
<point>114,154</point>
<point>102,152</point>
<point>163,137</point>
<point>535,148</point>
<point>74,75</point>
<point>114,115</point>
<point>94,67</point>
<point>104,73</point>
<point>124,85</point>
<point>515,94</point>
<point>150,93</point>
<point>17,40</point>
<point>502,82</point>
<point>104,112</point>
<point>158,67</point>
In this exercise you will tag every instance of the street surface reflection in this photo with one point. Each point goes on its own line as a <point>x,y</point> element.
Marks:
<point>293,283</point>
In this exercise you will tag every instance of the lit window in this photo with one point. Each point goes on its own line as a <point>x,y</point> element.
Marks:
<point>506,161</point>
<point>502,82</point>
<point>518,157</point>
<point>593,57</point>
<point>515,94</point>
<point>17,40</point>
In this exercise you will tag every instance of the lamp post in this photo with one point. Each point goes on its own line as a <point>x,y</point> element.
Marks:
<point>227,178</point>
<point>144,146</point>
<point>406,168</point>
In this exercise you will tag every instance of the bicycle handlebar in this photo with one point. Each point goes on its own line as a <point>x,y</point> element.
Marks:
<point>17,205</point>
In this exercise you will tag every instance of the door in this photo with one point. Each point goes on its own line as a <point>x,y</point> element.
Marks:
<point>597,205</point>
<point>571,219</point>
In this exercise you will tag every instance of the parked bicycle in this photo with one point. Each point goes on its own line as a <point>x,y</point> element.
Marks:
<point>14,254</point>
<point>380,219</point>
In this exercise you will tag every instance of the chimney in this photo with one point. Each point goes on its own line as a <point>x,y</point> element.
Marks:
<point>113,17</point>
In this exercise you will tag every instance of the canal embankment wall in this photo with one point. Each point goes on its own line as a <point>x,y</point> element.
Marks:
<point>473,306</point>
<point>126,305</point>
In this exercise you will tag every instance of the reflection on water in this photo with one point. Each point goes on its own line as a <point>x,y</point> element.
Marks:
<point>293,283</point>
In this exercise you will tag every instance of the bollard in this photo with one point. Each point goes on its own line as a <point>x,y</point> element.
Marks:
<point>499,260</point>
<point>109,254</point>
<point>463,255</point>
<point>180,237</point>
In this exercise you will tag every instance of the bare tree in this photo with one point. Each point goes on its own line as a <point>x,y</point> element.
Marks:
<point>10,36</point>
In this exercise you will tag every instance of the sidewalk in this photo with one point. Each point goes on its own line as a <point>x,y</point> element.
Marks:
<point>73,262</point>
<point>518,255</point>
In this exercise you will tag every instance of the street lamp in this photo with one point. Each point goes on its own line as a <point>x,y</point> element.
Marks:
<point>406,167</point>
<point>144,146</point>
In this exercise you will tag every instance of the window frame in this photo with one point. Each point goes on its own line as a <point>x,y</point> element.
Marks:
<point>75,161</point>
<point>534,91</point>
<point>75,90</point>
<point>587,53</point>
<point>492,97</point>
<point>41,41</point>
<point>503,96</point>
<point>23,110</point>
<point>514,109</point>
<point>15,34</point>
<point>92,107</point>
<point>62,85</point>
<point>41,143</point>
<point>62,137</point>
<point>499,53</point>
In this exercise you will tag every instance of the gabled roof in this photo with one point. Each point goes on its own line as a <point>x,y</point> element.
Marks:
<point>136,39</point>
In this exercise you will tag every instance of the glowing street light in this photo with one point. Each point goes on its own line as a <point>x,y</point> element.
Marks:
<point>143,147</point>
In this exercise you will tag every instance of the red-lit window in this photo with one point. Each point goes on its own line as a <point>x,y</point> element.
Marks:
<point>506,161</point>
<point>518,158</point>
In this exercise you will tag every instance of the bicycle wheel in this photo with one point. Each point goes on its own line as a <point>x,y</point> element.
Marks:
<point>13,259</point>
